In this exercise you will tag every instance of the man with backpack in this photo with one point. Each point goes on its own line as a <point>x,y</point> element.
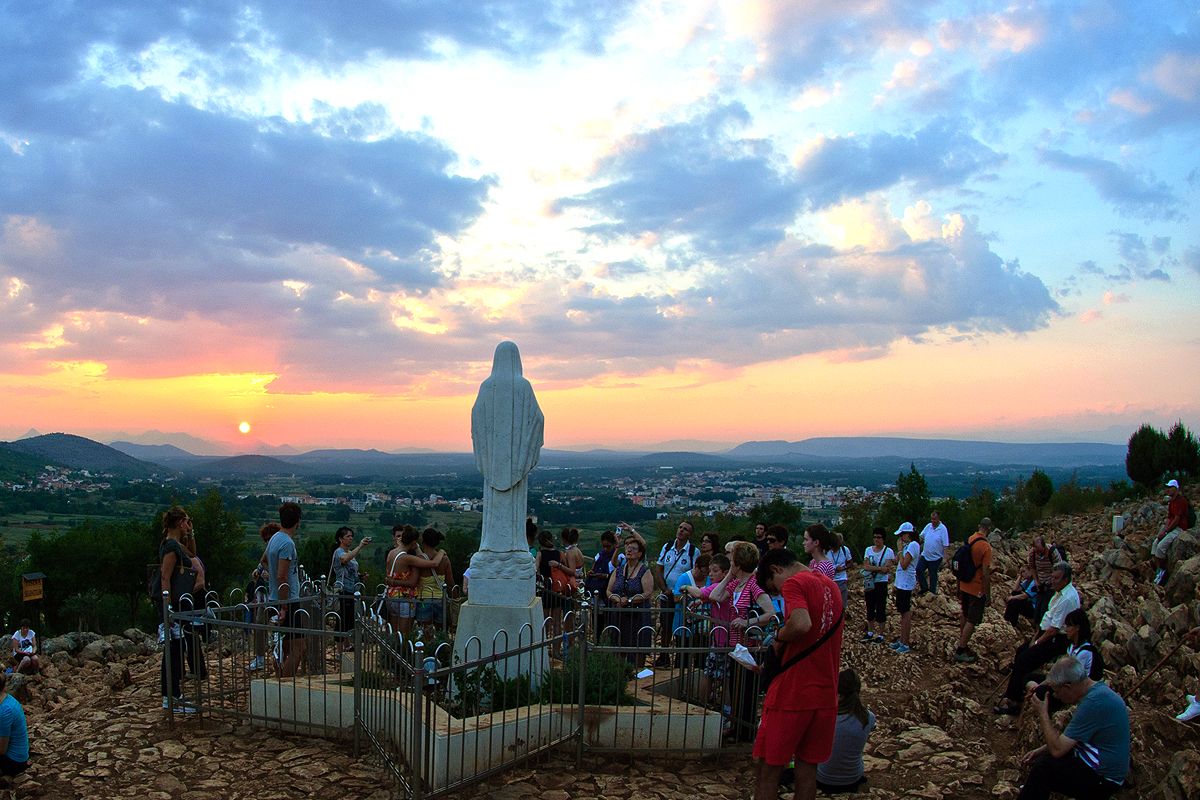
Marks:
<point>674,559</point>
<point>972,566</point>
<point>1180,517</point>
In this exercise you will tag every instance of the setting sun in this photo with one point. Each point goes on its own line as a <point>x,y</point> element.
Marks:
<point>244,427</point>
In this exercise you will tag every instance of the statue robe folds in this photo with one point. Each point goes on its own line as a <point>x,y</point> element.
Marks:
<point>507,436</point>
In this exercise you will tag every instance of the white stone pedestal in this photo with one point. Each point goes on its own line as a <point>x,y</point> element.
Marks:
<point>482,627</point>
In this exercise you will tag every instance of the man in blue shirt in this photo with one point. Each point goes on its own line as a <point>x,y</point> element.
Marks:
<point>283,582</point>
<point>14,735</point>
<point>1090,759</point>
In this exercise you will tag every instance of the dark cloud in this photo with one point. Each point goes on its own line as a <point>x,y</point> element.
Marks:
<point>728,194</point>
<point>46,46</point>
<point>164,183</point>
<point>940,154</point>
<point>696,178</point>
<point>1142,259</point>
<point>794,300</point>
<point>1110,63</point>
<point>1138,259</point>
<point>1131,194</point>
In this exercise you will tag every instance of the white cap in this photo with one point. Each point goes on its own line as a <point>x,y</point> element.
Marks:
<point>1173,482</point>
<point>905,527</point>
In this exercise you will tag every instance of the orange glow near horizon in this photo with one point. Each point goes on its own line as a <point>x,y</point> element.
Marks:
<point>929,389</point>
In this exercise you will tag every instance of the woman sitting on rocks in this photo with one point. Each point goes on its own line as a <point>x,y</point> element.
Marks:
<point>843,772</point>
<point>24,647</point>
<point>1022,601</point>
<point>1079,631</point>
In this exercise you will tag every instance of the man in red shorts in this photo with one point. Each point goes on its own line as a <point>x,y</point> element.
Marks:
<point>800,710</point>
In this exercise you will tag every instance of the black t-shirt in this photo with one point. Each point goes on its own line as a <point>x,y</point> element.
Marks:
<point>182,559</point>
<point>548,555</point>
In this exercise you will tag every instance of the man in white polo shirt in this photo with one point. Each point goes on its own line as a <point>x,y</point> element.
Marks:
<point>935,538</point>
<point>675,558</point>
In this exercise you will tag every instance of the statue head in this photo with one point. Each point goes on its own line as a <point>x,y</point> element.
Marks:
<point>507,360</point>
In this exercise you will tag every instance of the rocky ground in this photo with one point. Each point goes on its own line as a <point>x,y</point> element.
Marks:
<point>97,727</point>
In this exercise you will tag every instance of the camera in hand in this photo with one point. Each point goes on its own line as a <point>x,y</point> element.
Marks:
<point>1042,691</point>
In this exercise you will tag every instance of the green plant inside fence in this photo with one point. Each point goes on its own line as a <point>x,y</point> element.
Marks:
<point>606,680</point>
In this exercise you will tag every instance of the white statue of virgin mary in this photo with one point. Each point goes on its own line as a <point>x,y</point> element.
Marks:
<point>506,434</point>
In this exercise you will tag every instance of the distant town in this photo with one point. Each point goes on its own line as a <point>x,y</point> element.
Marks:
<point>670,491</point>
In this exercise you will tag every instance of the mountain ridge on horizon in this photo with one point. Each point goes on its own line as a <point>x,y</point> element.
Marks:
<point>203,447</point>
<point>850,447</point>
<point>973,451</point>
<point>843,456</point>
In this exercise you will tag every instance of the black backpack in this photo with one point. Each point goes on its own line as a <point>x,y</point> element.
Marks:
<point>962,565</point>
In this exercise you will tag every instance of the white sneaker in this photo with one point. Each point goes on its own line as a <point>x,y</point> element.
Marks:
<point>1192,711</point>
<point>180,706</point>
<point>257,663</point>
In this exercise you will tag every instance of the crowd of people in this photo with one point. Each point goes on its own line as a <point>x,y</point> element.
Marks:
<point>813,724</point>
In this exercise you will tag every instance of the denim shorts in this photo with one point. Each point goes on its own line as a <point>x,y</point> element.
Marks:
<point>402,607</point>
<point>429,611</point>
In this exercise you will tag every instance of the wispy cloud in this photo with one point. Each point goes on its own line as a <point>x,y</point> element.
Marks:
<point>1130,193</point>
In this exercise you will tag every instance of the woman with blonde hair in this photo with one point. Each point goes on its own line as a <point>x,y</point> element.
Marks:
<point>745,605</point>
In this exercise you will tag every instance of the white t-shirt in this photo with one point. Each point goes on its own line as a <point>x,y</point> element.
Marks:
<point>907,578</point>
<point>24,642</point>
<point>839,558</point>
<point>878,559</point>
<point>934,541</point>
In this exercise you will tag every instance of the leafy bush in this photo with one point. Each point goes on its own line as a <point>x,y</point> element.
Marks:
<point>1071,498</point>
<point>482,690</point>
<point>606,680</point>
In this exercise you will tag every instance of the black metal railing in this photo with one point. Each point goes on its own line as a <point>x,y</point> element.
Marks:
<point>604,679</point>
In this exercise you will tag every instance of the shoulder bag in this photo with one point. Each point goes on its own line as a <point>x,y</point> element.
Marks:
<point>772,667</point>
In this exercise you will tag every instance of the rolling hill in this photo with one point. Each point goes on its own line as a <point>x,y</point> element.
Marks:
<point>973,452</point>
<point>17,466</point>
<point>80,453</point>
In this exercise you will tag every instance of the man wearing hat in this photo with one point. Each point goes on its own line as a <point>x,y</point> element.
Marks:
<point>1177,520</point>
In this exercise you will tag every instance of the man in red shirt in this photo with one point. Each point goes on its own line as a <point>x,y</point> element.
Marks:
<point>800,709</point>
<point>1177,520</point>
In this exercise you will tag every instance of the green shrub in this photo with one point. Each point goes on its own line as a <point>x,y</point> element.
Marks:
<point>482,690</point>
<point>606,680</point>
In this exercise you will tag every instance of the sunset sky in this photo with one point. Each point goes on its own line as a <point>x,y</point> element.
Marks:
<point>703,220</point>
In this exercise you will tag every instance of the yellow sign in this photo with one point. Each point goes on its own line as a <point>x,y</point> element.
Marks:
<point>31,586</point>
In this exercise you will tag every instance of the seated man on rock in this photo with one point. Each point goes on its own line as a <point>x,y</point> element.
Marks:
<point>1090,759</point>
<point>1051,641</point>
<point>1177,521</point>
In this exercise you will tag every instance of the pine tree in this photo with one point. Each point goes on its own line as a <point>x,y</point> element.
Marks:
<point>1182,451</point>
<point>1145,460</point>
